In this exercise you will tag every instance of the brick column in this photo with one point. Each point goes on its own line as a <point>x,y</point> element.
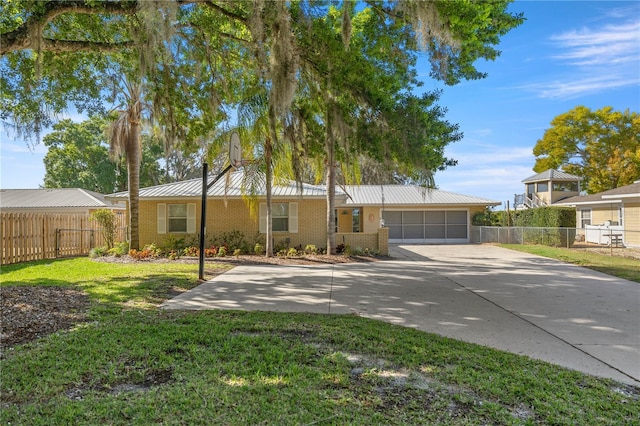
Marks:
<point>383,241</point>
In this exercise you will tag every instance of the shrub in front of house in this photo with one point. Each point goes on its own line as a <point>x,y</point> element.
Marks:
<point>98,252</point>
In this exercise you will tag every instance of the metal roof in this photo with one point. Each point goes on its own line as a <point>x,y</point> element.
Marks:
<point>628,190</point>
<point>356,195</point>
<point>363,195</point>
<point>551,174</point>
<point>51,198</point>
<point>233,185</point>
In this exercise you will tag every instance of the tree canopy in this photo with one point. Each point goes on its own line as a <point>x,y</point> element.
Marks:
<point>602,146</point>
<point>339,78</point>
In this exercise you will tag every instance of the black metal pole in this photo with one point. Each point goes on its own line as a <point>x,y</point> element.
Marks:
<point>203,219</point>
<point>203,215</point>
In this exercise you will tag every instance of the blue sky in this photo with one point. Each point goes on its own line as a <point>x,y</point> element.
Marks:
<point>567,53</point>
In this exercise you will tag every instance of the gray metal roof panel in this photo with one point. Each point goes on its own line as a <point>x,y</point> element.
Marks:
<point>50,198</point>
<point>408,195</point>
<point>232,186</point>
<point>551,174</point>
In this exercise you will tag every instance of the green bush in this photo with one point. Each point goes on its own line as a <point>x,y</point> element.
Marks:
<point>119,249</point>
<point>311,249</point>
<point>106,218</point>
<point>98,252</point>
<point>258,249</point>
<point>292,252</point>
<point>172,243</point>
<point>548,217</point>
<point>234,240</point>
<point>222,251</point>
<point>488,218</point>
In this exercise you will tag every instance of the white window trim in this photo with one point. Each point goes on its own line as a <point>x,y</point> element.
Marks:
<point>293,219</point>
<point>582,211</point>
<point>163,218</point>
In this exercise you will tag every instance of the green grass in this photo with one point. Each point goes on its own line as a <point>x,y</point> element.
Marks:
<point>137,365</point>
<point>617,266</point>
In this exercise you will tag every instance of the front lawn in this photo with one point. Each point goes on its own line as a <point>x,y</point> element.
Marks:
<point>622,267</point>
<point>131,363</point>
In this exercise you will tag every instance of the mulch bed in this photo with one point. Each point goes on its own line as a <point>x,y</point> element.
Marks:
<point>28,313</point>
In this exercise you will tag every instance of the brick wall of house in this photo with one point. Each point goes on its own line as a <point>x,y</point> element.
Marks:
<point>236,215</point>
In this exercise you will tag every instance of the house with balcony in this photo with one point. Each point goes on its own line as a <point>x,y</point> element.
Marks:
<point>547,188</point>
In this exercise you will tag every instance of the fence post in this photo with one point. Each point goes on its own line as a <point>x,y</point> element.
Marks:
<point>57,253</point>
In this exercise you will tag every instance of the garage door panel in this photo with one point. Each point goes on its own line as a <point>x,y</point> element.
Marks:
<point>456,231</point>
<point>392,218</point>
<point>457,217</point>
<point>413,232</point>
<point>413,217</point>
<point>427,226</point>
<point>395,232</point>
<point>435,232</point>
<point>434,217</point>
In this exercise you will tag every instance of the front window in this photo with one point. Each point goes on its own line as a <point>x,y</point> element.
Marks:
<point>177,217</point>
<point>280,213</point>
<point>355,223</point>
<point>543,187</point>
<point>565,186</point>
<point>585,217</point>
<point>620,215</point>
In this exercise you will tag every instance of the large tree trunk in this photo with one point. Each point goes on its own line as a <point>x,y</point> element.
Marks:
<point>133,167</point>
<point>330,148</point>
<point>268,154</point>
<point>268,149</point>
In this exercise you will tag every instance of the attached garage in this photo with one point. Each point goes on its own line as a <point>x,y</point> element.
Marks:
<point>417,215</point>
<point>427,226</point>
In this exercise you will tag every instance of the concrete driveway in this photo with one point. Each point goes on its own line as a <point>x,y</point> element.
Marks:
<point>525,304</point>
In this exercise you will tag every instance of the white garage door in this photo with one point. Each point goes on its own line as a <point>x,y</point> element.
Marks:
<point>427,226</point>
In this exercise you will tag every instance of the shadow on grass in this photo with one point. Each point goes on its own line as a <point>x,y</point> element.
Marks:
<point>153,289</point>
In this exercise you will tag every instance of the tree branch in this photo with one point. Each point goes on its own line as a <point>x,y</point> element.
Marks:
<point>22,37</point>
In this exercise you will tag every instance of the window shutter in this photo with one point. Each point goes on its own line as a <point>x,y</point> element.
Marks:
<point>162,218</point>
<point>191,218</point>
<point>263,218</point>
<point>293,218</point>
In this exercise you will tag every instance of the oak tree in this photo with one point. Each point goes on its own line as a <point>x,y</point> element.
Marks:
<point>601,146</point>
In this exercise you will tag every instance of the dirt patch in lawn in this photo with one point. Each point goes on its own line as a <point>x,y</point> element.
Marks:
<point>628,252</point>
<point>28,313</point>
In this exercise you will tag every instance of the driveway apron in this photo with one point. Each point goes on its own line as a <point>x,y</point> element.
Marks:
<point>524,304</point>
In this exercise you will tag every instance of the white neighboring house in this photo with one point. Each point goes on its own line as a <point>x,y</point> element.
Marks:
<point>58,200</point>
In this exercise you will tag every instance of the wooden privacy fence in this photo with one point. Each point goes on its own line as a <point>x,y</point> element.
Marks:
<point>34,236</point>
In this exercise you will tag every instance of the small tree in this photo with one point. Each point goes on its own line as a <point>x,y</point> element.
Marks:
<point>107,220</point>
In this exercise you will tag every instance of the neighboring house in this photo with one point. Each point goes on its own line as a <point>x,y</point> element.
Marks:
<point>546,188</point>
<point>609,214</point>
<point>410,214</point>
<point>59,200</point>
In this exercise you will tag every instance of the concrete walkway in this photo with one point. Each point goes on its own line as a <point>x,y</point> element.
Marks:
<point>525,304</point>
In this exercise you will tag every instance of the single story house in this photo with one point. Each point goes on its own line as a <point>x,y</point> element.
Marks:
<point>367,216</point>
<point>58,200</point>
<point>609,214</point>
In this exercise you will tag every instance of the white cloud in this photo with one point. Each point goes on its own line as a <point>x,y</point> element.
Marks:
<point>598,59</point>
<point>569,89</point>
<point>613,44</point>
<point>492,155</point>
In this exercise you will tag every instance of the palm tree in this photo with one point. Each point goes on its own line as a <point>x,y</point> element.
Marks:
<point>125,141</point>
